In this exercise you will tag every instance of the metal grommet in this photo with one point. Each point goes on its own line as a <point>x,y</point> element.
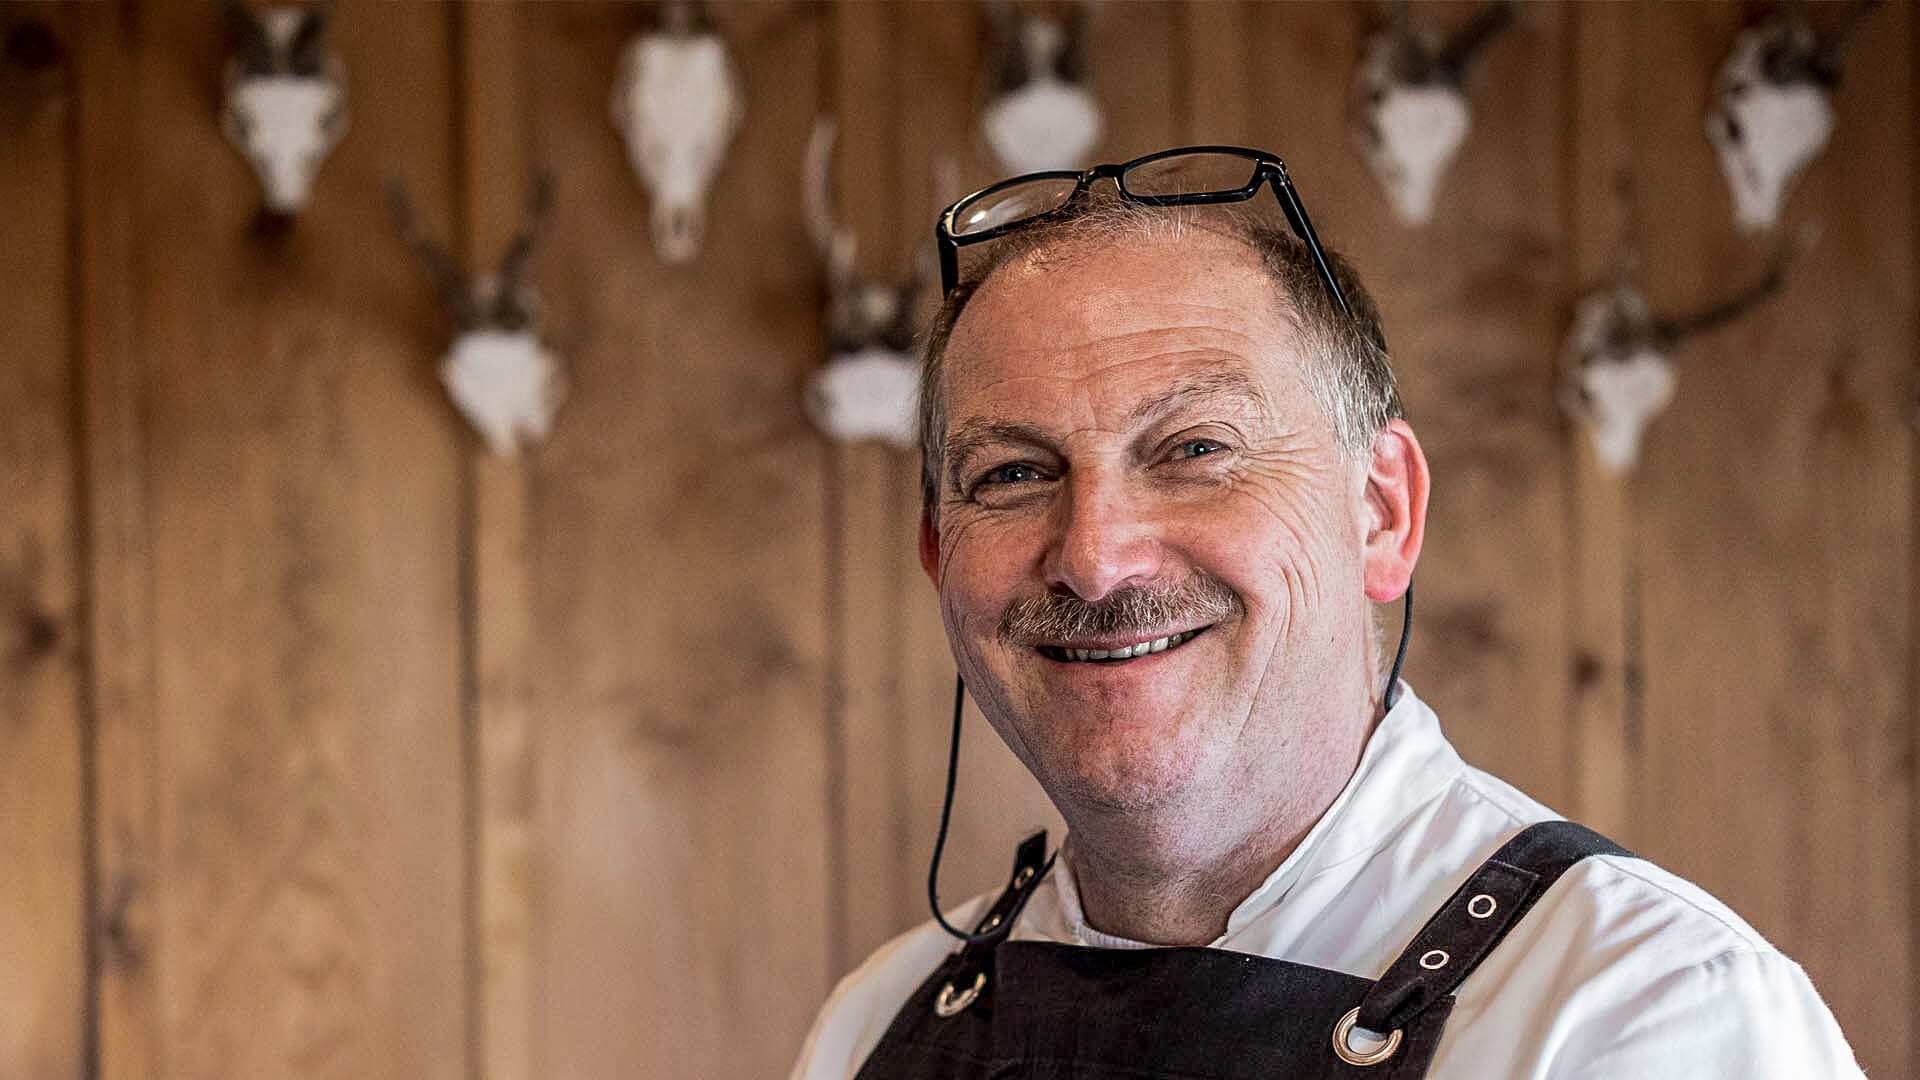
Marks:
<point>1025,875</point>
<point>1482,906</point>
<point>992,921</point>
<point>950,1003</point>
<point>1435,959</point>
<point>1351,1056</point>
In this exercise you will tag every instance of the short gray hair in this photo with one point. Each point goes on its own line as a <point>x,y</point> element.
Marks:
<point>1354,383</point>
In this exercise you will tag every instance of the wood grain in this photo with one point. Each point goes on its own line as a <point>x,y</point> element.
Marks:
<point>1600,711</point>
<point>677,572</point>
<point>1772,523</point>
<point>497,594</point>
<point>309,863</point>
<point>42,801</point>
<point>864,572</point>
<point>123,934</point>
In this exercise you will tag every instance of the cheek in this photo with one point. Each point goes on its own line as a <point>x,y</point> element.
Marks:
<point>981,569</point>
<point>1280,547</point>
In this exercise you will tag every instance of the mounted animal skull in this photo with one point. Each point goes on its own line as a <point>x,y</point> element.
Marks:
<point>1041,114</point>
<point>677,102</point>
<point>286,96</point>
<point>870,387</point>
<point>1410,110</point>
<point>1616,368</point>
<point>1772,109</point>
<point>499,374</point>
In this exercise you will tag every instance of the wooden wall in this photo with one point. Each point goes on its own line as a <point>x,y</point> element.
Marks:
<point>331,747</point>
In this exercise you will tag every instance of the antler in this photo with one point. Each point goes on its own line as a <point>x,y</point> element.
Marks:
<point>255,49</point>
<point>508,309</point>
<point>1826,61</point>
<point>1668,332</point>
<point>304,55</point>
<point>447,278</point>
<point>836,243</point>
<point>1464,47</point>
<point>1008,61</point>
<point>682,17</point>
<point>1073,53</point>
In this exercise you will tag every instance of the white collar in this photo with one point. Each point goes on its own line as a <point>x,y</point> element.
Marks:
<point>1405,765</point>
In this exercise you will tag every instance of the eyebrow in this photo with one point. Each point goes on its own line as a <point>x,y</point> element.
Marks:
<point>1229,382</point>
<point>974,435</point>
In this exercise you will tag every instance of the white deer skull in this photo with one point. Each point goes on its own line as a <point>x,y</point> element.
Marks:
<point>1410,110</point>
<point>1772,109</point>
<point>870,386</point>
<point>1042,114</point>
<point>285,105</point>
<point>501,377</point>
<point>1617,370</point>
<point>677,102</point>
<point>1612,376</point>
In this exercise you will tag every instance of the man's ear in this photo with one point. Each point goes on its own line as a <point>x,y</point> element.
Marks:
<point>1396,498</point>
<point>930,547</point>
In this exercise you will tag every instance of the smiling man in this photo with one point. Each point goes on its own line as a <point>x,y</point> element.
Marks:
<point>1166,481</point>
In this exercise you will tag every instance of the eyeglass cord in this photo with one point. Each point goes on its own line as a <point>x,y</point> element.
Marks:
<point>1388,697</point>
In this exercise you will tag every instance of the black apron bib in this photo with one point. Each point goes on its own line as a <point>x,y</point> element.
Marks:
<point>1039,1010</point>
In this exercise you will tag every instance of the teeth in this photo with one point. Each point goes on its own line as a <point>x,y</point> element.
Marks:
<point>1128,652</point>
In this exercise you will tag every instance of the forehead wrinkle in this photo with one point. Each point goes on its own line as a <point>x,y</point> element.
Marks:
<point>1228,382</point>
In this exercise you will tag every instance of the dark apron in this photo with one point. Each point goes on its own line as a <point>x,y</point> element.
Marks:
<point>1037,1009</point>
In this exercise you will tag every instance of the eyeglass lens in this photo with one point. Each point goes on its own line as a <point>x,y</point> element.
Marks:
<point>1189,174</point>
<point>1014,203</point>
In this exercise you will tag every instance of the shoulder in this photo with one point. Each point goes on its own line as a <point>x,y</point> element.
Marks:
<point>863,1005</point>
<point>1624,968</point>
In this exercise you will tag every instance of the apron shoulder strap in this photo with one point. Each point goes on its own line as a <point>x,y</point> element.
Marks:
<point>1474,919</point>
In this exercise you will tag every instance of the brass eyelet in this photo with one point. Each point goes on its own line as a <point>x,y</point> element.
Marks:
<point>951,1004</point>
<point>1351,1056</point>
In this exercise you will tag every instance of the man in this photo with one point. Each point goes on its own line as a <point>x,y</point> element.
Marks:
<point>1167,477</point>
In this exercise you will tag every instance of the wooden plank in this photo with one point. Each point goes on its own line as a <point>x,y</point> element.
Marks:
<point>1599,151</point>
<point>1471,303</point>
<point>1773,519</point>
<point>42,801</point>
<point>1218,59</point>
<point>864,573</point>
<point>1913,570</point>
<point>507,857</point>
<point>122,908</point>
<point>309,860</point>
<point>677,553</point>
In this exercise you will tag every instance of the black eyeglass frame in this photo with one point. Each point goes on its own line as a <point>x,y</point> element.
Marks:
<point>1268,169</point>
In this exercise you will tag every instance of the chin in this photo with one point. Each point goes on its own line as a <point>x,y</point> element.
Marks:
<point>1121,764</point>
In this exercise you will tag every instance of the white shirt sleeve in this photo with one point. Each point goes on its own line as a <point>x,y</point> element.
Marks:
<point>1743,1015</point>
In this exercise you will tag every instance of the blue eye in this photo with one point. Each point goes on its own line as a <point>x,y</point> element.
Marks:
<point>1015,473</point>
<point>1194,448</point>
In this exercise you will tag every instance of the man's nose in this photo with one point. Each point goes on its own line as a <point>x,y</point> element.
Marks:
<point>1101,540</point>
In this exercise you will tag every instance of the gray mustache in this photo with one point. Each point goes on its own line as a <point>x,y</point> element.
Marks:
<point>1133,611</point>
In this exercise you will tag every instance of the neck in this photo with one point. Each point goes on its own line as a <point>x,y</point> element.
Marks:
<point>1173,876</point>
<point>1153,895</point>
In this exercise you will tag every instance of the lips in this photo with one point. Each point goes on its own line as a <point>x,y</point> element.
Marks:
<point>1118,653</point>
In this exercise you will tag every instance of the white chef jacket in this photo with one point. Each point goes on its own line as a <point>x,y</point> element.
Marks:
<point>1621,970</point>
